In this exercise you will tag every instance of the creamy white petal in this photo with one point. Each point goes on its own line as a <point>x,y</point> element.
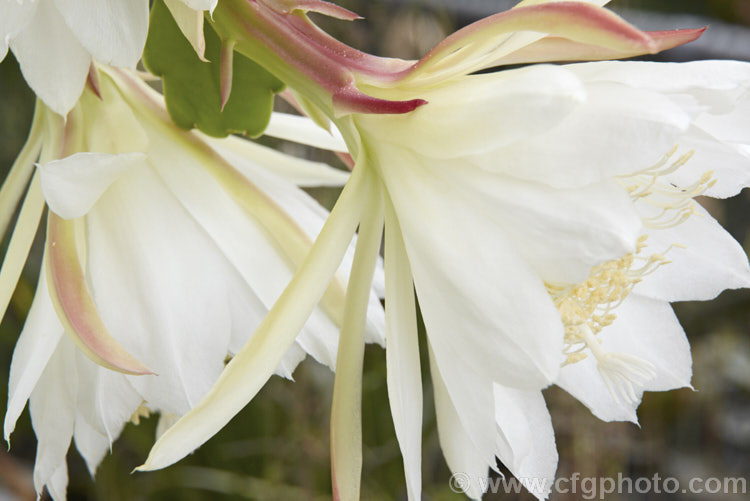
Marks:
<point>712,85</point>
<point>190,22</point>
<point>91,444</point>
<point>72,185</point>
<point>52,60</point>
<point>526,440</point>
<point>710,262</point>
<point>52,409</point>
<point>474,289</point>
<point>596,141</point>
<point>106,398</point>
<point>209,5</point>
<point>160,288</point>
<point>58,484</point>
<point>304,131</point>
<point>113,31</point>
<point>302,172</point>
<point>38,341</point>
<point>16,15</point>
<point>404,376</point>
<point>730,163</point>
<point>561,233</point>
<point>460,453</point>
<point>242,239</point>
<point>645,328</point>
<point>481,113</point>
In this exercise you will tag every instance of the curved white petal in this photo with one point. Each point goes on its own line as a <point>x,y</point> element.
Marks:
<point>72,185</point>
<point>483,305</point>
<point>302,172</point>
<point>52,60</point>
<point>38,341</point>
<point>208,5</point>
<point>52,409</point>
<point>479,114</point>
<point>710,262</point>
<point>91,444</point>
<point>160,287</point>
<point>243,240</point>
<point>461,454</point>
<point>190,22</point>
<point>106,399</point>
<point>526,440</point>
<point>561,233</point>
<point>113,31</point>
<point>302,130</point>
<point>645,328</point>
<point>16,15</point>
<point>730,163</point>
<point>402,354</point>
<point>711,85</point>
<point>596,141</point>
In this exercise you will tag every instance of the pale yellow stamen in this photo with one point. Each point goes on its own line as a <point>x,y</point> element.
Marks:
<point>588,307</point>
<point>141,412</point>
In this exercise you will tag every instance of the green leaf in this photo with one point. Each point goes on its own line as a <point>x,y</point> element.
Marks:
<point>192,87</point>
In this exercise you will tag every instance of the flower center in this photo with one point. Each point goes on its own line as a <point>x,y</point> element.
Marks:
<point>588,307</point>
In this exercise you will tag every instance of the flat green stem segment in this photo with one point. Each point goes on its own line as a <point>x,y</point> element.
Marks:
<point>249,370</point>
<point>346,410</point>
<point>193,88</point>
<point>75,305</point>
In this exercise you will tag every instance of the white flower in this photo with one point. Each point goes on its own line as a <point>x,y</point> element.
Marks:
<point>535,212</point>
<point>164,251</point>
<point>56,40</point>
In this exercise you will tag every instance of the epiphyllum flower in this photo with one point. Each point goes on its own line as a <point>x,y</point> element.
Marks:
<point>529,208</point>
<point>164,251</point>
<point>55,40</point>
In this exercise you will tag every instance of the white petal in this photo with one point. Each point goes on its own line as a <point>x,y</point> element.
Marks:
<point>480,114</point>
<point>91,444</point>
<point>53,62</point>
<point>160,287</point>
<point>648,329</point>
<point>37,343</point>
<point>16,15</point>
<point>58,484</point>
<point>402,355</point>
<point>482,303</point>
<point>190,22</point>
<point>562,233</point>
<point>304,131</point>
<point>460,452</point>
<point>106,398</point>
<point>526,440</point>
<point>52,409</point>
<point>596,141</point>
<point>73,184</point>
<point>113,31</point>
<point>208,5</point>
<point>714,85</point>
<point>299,171</point>
<point>711,261</point>
<point>730,163</point>
<point>265,270</point>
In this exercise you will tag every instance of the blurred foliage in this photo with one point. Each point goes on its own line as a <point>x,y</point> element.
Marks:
<point>277,447</point>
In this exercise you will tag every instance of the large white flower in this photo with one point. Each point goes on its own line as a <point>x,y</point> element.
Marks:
<point>164,251</point>
<point>533,210</point>
<point>56,40</point>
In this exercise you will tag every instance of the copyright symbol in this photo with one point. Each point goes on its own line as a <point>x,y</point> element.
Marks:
<point>459,483</point>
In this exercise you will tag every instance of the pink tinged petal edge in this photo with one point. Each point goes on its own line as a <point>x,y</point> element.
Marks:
<point>580,22</point>
<point>349,99</point>
<point>551,49</point>
<point>226,70</point>
<point>75,305</point>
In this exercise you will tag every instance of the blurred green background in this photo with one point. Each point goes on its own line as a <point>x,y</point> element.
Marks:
<point>277,448</point>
